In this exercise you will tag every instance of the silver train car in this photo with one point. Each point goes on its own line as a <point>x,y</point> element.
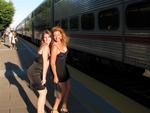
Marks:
<point>107,30</point>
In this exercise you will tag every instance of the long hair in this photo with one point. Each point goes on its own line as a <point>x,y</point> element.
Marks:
<point>42,37</point>
<point>45,32</point>
<point>65,38</point>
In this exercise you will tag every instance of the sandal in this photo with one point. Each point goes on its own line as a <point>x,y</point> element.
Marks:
<point>64,110</point>
<point>54,111</point>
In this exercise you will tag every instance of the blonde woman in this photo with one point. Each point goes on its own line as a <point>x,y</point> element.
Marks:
<point>59,52</point>
<point>38,70</point>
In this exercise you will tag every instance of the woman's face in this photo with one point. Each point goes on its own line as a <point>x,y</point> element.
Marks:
<point>47,38</point>
<point>57,36</point>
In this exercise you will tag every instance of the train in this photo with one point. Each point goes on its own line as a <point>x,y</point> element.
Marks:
<point>114,32</point>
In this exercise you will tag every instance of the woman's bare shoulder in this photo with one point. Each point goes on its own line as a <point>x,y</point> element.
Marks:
<point>55,46</point>
<point>44,47</point>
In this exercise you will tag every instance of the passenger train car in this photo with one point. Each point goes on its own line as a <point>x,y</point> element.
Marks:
<point>99,30</point>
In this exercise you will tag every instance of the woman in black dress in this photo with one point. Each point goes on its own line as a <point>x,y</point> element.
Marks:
<point>38,70</point>
<point>58,65</point>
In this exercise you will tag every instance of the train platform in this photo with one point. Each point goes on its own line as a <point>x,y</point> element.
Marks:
<point>87,94</point>
<point>15,95</point>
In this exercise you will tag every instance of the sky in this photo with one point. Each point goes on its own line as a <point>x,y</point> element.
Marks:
<point>23,9</point>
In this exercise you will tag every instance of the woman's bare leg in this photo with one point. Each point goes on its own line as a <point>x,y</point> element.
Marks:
<point>58,98</point>
<point>66,94</point>
<point>41,100</point>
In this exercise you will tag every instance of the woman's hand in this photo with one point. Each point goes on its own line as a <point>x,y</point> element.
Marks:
<point>55,80</point>
<point>43,81</point>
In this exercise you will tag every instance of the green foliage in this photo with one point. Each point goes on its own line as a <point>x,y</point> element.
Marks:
<point>7,11</point>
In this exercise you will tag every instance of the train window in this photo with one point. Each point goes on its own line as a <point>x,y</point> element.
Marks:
<point>74,23</point>
<point>108,19</point>
<point>57,1</point>
<point>87,21</point>
<point>64,23</point>
<point>138,16</point>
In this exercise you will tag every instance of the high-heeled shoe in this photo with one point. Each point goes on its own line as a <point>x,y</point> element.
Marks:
<point>54,111</point>
<point>64,110</point>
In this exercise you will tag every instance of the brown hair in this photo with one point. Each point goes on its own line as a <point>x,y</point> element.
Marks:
<point>45,32</point>
<point>65,38</point>
<point>50,34</point>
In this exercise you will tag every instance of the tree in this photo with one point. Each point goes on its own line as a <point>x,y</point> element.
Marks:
<point>7,11</point>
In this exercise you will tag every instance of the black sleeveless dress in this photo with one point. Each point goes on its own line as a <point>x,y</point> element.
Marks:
<point>34,73</point>
<point>61,68</point>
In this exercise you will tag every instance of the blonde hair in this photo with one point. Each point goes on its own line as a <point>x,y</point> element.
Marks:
<point>65,38</point>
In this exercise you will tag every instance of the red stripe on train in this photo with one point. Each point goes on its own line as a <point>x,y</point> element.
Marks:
<point>128,39</point>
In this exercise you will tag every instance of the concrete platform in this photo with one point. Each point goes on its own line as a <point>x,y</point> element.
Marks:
<point>15,95</point>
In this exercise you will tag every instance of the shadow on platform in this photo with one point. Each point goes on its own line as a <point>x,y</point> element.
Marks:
<point>10,70</point>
